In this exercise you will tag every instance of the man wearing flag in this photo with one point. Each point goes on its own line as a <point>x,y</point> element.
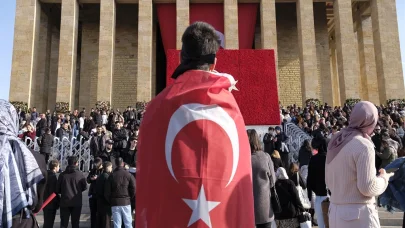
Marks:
<point>194,167</point>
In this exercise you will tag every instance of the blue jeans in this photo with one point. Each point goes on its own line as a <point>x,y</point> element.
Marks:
<point>318,210</point>
<point>122,213</point>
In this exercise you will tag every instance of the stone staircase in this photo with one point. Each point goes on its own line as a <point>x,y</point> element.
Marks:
<point>388,220</point>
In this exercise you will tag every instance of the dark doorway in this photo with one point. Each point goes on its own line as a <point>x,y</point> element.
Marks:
<point>160,62</point>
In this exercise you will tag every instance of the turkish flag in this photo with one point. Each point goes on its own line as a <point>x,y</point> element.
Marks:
<point>194,165</point>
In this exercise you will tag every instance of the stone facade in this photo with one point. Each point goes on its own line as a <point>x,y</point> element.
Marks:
<point>89,53</point>
<point>80,54</point>
<point>125,79</point>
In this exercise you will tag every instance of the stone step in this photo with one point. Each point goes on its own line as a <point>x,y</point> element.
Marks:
<point>391,221</point>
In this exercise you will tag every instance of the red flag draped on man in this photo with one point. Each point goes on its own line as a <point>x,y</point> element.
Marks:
<point>194,167</point>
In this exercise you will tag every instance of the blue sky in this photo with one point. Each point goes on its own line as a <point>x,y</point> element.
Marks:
<point>7,11</point>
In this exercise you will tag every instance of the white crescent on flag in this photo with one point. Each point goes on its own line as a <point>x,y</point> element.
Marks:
<point>192,112</point>
<point>221,38</point>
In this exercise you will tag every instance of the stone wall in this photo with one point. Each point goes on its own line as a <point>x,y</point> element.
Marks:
<point>325,93</point>
<point>90,20</point>
<point>38,87</point>
<point>288,54</point>
<point>53,68</point>
<point>126,51</point>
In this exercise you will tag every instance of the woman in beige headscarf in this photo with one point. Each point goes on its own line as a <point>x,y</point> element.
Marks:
<point>350,172</point>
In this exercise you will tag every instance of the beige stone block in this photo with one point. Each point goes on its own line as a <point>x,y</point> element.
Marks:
<point>231,24</point>
<point>26,38</point>
<point>325,87</point>
<point>346,48</point>
<point>124,85</point>
<point>368,71</point>
<point>307,50</point>
<point>53,69</point>
<point>89,63</point>
<point>289,76</point>
<point>387,50</point>
<point>68,53</point>
<point>268,28</point>
<point>39,93</point>
<point>106,50</point>
<point>182,20</point>
<point>145,49</point>
<point>335,74</point>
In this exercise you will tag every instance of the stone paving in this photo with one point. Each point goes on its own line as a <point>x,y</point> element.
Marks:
<point>387,219</point>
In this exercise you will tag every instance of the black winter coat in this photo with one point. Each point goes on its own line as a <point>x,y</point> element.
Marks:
<point>304,156</point>
<point>316,175</point>
<point>289,200</point>
<point>102,202</point>
<point>71,184</point>
<point>51,188</point>
<point>268,143</point>
<point>120,188</point>
<point>46,143</point>
<point>277,162</point>
<point>41,125</point>
<point>92,189</point>
<point>120,138</point>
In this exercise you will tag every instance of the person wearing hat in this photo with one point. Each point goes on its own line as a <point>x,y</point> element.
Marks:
<point>108,153</point>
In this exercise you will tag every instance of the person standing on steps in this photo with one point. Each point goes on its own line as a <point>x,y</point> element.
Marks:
<point>70,185</point>
<point>91,179</point>
<point>103,205</point>
<point>120,191</point>
<point>53,206</point>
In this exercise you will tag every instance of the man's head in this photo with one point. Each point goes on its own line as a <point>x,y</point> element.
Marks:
<point>200,43</point>
<point>119,162</point>
<point>72,160</point>
<point>109,144</point>
<point>278,130</point>
<point>134,141</point>
<point>107,166</point>
<point>99,130</point>
<point>65,125</point>
<point>377,129</point>
<point>53,165</point>
<point>117,125</point>
<point>271,130</point>
<point>47,130</point>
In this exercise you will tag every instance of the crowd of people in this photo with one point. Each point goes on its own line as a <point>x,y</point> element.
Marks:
<point>322,122</point>
<point>112,134</point>
<point>339,172</point>
<point>112,137</point>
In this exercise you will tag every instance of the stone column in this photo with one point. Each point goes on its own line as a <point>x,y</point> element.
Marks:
<point>268,24</point>
<point>306,43</point>
<point>387,50</point>
<point>231,24</point>
<point>106,52</point>
<point>26,35</point>
<point>347,58</point>
<point>182,20</point>
<point>65,92</point>
<point>268,29</point>
<point>145,49</point>
<point>368,71</point>
<point>335,74</point>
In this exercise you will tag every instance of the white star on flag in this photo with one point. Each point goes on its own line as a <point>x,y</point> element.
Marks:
<point>201,208</point>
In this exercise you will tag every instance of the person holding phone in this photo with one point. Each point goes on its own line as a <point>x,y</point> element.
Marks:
<point>351,174</point>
